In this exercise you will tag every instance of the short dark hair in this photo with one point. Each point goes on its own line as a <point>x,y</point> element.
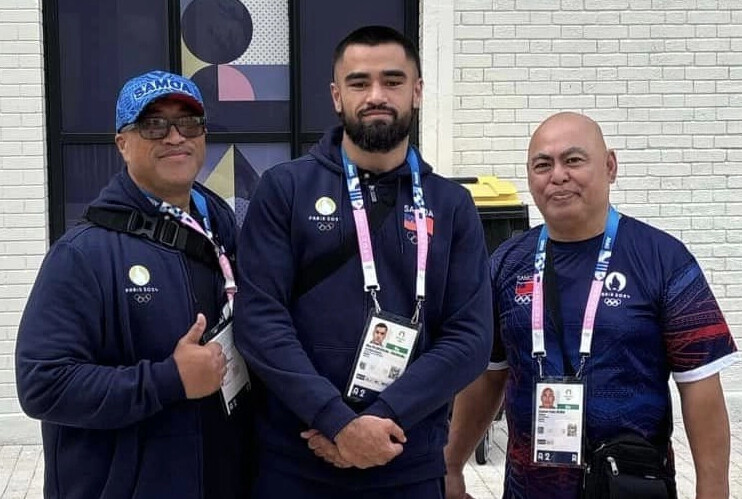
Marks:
<point>381,324</point>
<point>377,35</point>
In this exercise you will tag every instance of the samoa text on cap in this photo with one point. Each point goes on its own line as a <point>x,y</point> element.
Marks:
<point>140,91</point>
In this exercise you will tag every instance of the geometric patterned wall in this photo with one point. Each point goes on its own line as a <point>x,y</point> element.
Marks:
<point>237,52</point>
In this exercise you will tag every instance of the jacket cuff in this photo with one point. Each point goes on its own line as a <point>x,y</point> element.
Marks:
<point>333,417</point>
<point>167,381</point>
<point>381,409</point>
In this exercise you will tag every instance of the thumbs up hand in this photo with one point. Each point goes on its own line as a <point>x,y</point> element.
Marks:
<point>201,367</point>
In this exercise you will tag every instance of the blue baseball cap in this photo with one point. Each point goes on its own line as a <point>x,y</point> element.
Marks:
<point>140,91</point>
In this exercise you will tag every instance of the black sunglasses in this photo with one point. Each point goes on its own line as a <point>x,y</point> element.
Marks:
<point>156,128</point>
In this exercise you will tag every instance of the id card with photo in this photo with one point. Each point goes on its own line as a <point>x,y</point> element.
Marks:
<point>558,422</point>
<point>385,351</point>
<point>237,377</point>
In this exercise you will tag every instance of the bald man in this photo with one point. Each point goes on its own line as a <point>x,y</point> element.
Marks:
<point>602,308</point>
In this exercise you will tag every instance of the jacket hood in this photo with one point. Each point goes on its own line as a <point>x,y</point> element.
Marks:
<point>327,153</point>
<point>122,193</point>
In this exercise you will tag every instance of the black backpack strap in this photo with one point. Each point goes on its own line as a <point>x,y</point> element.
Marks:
<point>162,231</point>
<point>325,265</point>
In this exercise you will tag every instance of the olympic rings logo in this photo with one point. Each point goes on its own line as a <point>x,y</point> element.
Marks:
<point>522,299</point>
<point>143,298</point>
<point>412,236</point>
<point>612,302</point>
<point>325,226</point>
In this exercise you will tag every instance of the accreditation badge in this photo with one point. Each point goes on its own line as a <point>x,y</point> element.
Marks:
<point>386,348</point>
<point>237,379</point>
<point>558,422</point>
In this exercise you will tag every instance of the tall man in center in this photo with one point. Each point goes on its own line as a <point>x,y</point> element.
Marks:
<point>336,242</point>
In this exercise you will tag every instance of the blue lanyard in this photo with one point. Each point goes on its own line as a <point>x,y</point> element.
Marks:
<point>599,274</point>
<point>354,184</point>
<point>200,201</point>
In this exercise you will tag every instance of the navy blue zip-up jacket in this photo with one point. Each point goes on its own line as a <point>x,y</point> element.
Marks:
<point>303,347</point>
<point>94,359</point>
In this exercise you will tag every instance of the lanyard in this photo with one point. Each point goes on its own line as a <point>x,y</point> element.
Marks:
<point>588,322</point>
<point>370,279</point>
<point>230,286</point>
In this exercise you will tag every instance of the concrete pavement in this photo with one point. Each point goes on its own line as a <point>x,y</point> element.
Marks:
<point>22,464</point>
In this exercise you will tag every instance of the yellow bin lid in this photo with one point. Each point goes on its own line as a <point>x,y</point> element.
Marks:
<point>491,191</point>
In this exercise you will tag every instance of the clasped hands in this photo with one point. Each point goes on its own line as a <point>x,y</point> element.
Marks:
<point>364,442</point>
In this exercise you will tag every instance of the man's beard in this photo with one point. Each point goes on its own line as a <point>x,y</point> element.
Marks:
<point>377,135</point>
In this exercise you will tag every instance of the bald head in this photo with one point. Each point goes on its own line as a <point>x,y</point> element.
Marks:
<point>586,125</point>
<point>569,175</point>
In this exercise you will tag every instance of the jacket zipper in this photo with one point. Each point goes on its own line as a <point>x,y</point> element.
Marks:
<point>189,286</point>
<point>192,306</point>
<point>371,187</point>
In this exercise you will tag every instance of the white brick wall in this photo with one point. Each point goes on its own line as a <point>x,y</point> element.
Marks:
<point>23,201</point>
<point>662,77</point>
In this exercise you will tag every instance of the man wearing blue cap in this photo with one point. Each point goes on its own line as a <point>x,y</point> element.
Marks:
<point>123,350</point>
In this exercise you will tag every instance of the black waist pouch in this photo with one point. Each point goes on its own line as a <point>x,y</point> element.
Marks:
<point>628,466</point>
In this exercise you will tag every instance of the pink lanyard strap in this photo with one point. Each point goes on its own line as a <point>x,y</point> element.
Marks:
<point>230,286</point>
<point>370,278</point>
<point>588,322</point>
